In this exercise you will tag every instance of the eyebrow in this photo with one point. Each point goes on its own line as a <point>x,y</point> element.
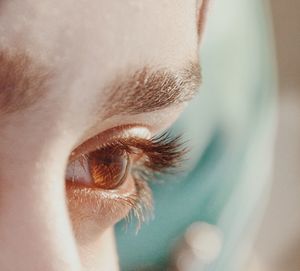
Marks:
<point>202,13</point>
<point>149,90</point>
<point>22,81</point>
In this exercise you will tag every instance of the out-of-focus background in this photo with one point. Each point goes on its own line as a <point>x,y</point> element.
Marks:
<point>231,126</point>
<point>278,242</point>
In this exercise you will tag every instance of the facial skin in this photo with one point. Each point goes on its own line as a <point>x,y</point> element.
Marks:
<point>70,71</point>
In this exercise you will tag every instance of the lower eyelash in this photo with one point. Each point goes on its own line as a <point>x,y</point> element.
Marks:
<point>141,204</point>
<point>161,155</point>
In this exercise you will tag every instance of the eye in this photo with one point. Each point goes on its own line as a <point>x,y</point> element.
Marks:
<point>107,176</point>
<point>108,167</point>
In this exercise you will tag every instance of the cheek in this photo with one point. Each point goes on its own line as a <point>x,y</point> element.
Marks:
<point>93,211</point>
<point>101,254</point>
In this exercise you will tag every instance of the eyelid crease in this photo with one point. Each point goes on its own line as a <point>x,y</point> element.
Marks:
<point>105,138</point>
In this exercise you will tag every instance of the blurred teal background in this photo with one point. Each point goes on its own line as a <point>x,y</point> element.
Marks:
<point>230,128</point>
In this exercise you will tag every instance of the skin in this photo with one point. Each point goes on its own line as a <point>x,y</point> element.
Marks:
<point>87,44</point>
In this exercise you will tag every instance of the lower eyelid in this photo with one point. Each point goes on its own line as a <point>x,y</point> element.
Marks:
<point>98,208</point>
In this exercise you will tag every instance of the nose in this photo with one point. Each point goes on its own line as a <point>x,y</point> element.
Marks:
<point>35,229</point>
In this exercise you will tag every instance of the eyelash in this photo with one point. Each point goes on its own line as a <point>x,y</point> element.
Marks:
<point>156,156</point>
<point>162,155</point>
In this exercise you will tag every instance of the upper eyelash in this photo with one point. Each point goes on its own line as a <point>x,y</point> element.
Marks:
<point>162,154</point>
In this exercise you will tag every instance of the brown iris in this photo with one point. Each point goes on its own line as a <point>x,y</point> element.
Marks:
<point>108,167</point>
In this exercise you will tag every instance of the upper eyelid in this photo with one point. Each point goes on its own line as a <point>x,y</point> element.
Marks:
<point>104,138</point>
<point>163,152</point>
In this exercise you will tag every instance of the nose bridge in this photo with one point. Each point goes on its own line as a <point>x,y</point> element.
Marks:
<point>34,217</point>
<point>34,222</point>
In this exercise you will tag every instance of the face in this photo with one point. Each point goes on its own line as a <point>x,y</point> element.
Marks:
<point>86,87</point>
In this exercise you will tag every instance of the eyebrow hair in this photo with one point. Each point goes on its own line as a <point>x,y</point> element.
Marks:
<point>148,90</point>
<point>22,81</point>
<point>202,14</point>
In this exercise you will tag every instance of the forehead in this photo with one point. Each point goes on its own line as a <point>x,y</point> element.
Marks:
<point>90,43</point>
<point>105,32</point>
